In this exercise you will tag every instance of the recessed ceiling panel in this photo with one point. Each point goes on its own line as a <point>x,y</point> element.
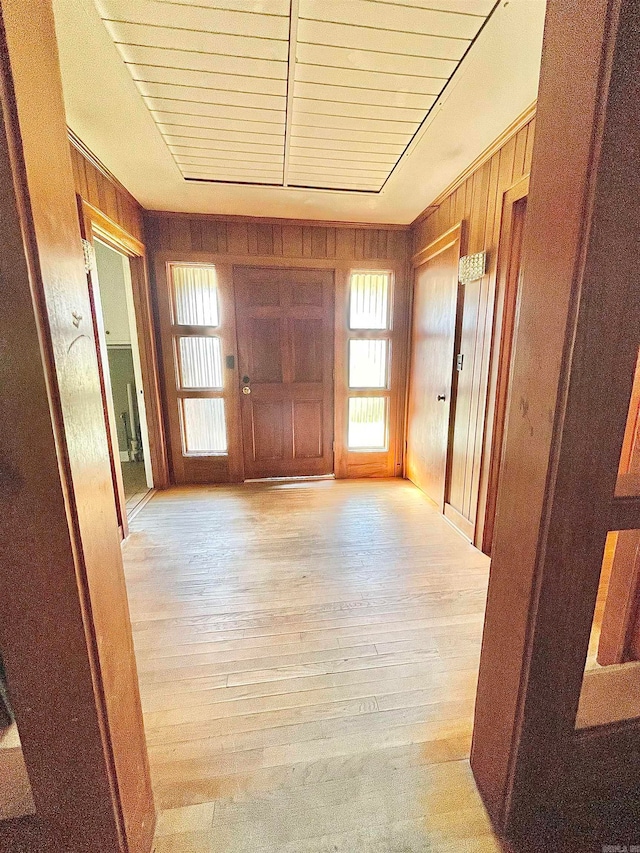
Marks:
<point>321,94</point>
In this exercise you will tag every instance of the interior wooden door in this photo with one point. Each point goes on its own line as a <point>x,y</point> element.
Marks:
<point>285,321</point>
<point>431,372</point>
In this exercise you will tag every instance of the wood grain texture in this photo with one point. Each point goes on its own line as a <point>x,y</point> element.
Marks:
<point>66,635</point>
<point>233,241</point>
<point>308,673</point>
<point>514,208</point>
<point>101,190</point>
<point>119,224</point>
<point>435,302</point>
<point>575,353</point>
<point>477,199</point>
<point>285,322</point>
<point>272,238</point>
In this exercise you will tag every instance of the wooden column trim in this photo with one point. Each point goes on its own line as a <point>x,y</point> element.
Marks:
<point>575,354</point>
<point>65,615</point>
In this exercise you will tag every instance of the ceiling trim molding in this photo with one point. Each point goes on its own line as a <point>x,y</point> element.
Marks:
<point>523,119</point>
<point>88,154</point>
<point>274,220</point>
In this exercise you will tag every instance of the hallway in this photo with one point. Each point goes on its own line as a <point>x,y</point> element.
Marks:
<point>308,656</point>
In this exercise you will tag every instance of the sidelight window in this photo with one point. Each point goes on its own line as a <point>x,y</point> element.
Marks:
<point>369,357</point>
<point>197,353</point>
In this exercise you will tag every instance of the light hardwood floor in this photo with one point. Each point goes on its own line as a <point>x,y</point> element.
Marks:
<point>308,656</point>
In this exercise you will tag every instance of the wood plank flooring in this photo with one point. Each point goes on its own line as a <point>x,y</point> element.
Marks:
<point>308,656</point>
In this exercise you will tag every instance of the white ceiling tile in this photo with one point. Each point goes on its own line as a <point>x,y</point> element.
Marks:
<point>479,8</point>
<point>351,176</point>
<point>375,96</point>
<point>201,135</point>
<point>168,120</point>
<point>338,78</point>
<point>224,174</point>
<point>143,60</point>
<point>345,159</point>
<point>192,18</point>
<point>317,133</point>
<point>235,157</point>
<point>200,42</point>
<point>238,167</point>
<point>192,95</point>
<point>205,81</point>
<point>200,109</point>
<point>379,113</point>
<point>388,128</point>
<point>271,7</point>
<point>220,145</point>
<point>412,44</point>
<point>372,15</point>
<point>311,181</point>
<point>342,146</point>
<point>352,59</point>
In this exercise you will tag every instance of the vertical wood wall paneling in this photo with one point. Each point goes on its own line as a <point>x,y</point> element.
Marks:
<point>104,193</point>
<point>243,241</point>
<point>117,217</point>
<point>477,200</point>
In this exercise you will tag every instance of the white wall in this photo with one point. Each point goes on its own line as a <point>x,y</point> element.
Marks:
<point>113,295</point>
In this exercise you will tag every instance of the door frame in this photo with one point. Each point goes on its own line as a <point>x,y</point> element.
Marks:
<point>346,463</point>
<point>503,331</point>
<point>457,233</point>
<point>94,224</point>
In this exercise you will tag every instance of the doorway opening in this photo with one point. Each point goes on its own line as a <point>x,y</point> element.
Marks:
<point>16,798</point>
<point>116,321</point>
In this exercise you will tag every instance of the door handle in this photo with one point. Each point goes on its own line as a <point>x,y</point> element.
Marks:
<point>441,397</point>
<point>245,385</point>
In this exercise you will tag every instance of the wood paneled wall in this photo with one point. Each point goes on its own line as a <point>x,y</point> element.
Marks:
<point>476,200</point>
<point>251,239</point>
<point>341,248</point>
<point>101,190</point>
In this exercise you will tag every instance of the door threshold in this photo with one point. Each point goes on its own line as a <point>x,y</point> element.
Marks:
<point>301,479</point>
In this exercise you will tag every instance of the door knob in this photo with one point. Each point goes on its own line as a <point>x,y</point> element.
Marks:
<point>441,397</point>
<point>246,389</point>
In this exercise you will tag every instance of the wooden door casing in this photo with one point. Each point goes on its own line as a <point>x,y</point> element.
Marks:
<point>97,322</point>
<point>431,365</point>
<point>284,319</point>
<point>514,212</point>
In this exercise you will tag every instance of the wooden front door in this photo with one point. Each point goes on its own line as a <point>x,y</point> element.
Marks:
<point>285,358</point>
<point>432,352</point>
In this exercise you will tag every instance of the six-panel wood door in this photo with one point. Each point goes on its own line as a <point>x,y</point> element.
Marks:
<point>432,353</point>
<point>284,319</point>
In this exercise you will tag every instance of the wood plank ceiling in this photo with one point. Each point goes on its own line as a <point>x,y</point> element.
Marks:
<point>322,94</point>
